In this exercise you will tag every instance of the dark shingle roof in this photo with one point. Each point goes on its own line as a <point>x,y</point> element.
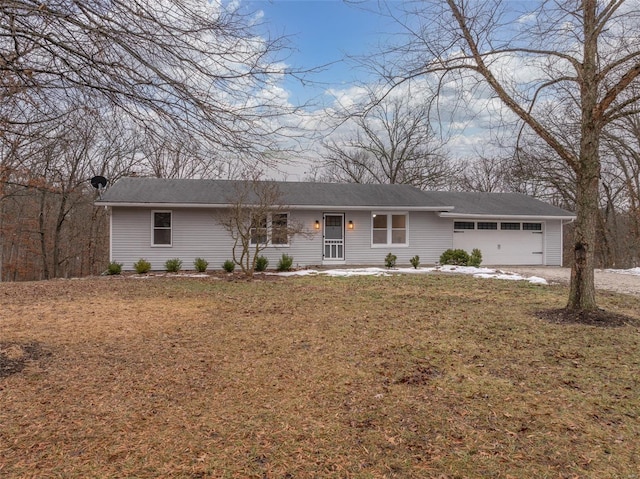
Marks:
<point>158,191</point>
<point>221,192</point>
<point>498,204</point>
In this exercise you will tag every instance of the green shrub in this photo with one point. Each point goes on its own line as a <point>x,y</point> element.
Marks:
<point>173,265</point>
<point>114,268</point>
<point>476,257</point>
<point>200,264</point>
<point>285,263</point>
<point>458,257</point>
<point>390,260</point>
<point>262,263</point>
<point>415,261</point>
<point>142,266</point>
<point>229,266</point>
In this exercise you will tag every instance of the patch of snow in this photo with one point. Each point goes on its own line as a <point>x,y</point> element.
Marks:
<point>450,268</point>
<point>476,272</point>
<point>357,272</point>
<point>301,272</point>
<point>632,271</point>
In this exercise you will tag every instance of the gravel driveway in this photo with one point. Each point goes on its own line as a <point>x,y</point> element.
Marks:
<point>620,283</point>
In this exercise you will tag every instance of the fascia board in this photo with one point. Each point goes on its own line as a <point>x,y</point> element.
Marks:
<point>514,217</point>
<point>292,207</point>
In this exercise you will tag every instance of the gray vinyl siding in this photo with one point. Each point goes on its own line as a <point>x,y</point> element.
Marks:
<point>429,235</point>
<point>305,248</point>
<point>193,235</point>
<point>196,233</point>
<point>553,243</point>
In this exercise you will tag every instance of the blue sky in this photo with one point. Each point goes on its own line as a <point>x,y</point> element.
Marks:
<point>323,32</point>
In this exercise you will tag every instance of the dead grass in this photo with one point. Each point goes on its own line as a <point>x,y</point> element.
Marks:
<point>434,377</point>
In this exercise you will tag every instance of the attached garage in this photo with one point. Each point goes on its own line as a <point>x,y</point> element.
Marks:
<point>508,228</point>
<point>502,242</point>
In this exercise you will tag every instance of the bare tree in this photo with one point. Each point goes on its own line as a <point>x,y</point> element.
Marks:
<point>255,220</point>
<point>189,68</point>
<point>117,87</point>
<point>566,65</point>
<point>621,184</point>
<point>393,142</point>
<point>49,226</point>
<point>484,174</point>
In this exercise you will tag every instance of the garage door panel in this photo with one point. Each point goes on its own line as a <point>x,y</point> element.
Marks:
<point>503,247</point>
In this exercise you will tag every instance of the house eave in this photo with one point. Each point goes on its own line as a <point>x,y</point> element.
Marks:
<point>292,207</point>
<point>510,217</point>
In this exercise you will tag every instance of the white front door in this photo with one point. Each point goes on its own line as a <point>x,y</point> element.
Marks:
<point>333,236</point>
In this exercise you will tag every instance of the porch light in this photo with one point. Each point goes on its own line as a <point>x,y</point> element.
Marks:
<point>317,225</point>
<point>350,224</point>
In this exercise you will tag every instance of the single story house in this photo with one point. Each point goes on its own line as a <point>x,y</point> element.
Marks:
<point>345,224</point>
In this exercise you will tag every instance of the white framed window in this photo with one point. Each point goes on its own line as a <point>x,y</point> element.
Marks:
<point>464,225</point>
<point>272,229</point>
<point>389,229</point>
<point>487,225</point>
<point>532,226</point>
<point>161,228</point>
<point>510,226</point>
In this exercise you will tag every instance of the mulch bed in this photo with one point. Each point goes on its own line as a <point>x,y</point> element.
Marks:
<point>600,318</point>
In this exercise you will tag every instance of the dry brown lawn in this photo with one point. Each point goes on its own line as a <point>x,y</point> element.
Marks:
<point>434,376</point>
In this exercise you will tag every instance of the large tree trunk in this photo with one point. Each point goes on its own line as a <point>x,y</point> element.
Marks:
<point>582,294</point>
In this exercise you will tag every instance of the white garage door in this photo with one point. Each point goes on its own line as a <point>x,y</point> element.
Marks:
<point>509,243</point>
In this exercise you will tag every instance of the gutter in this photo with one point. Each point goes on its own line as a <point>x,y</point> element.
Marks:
<point>495,216</point>
<point>292,207</point>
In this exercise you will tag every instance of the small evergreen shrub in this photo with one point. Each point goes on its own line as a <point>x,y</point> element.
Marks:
<point>476,257</point>
<point>142,266</point>
<point>173,265</point>
<point>114,268</point>
<point>285,263</point>
<point>261,263</point>
<point>415,261</point>
<point>458,257</point>
<point>200,264</point>
<point>229,266</point>
<point>390,260</point>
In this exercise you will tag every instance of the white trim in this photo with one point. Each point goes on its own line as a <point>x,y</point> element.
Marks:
<point>438,209</point>
<point>561,243</point>
<point>342,259</point>
<point>111,260</point>
<point>506,217</point>
<point>269,233</point>
<point>389,228</point>
<point>153,229</point>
